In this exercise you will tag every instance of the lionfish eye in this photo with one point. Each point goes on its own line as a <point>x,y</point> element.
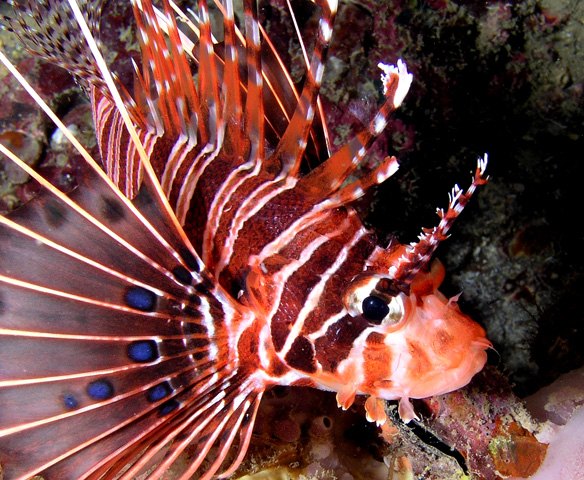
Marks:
<point>374,309</point>
<point>367,296</point>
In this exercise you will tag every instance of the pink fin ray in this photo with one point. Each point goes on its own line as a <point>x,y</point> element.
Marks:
<point>232,109</point>
<point>245,431</point>
<point>215,430</point>
<point>254,105</point>
<point>208,79</point>
<point>166,68</point>
<point>139,339</point>
<point>101,356</point>
<point>112,377</point>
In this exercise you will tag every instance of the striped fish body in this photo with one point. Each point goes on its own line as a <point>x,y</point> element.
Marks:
<point>149,309</point>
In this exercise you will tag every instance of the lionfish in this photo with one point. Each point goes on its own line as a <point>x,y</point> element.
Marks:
<point>149,309</point>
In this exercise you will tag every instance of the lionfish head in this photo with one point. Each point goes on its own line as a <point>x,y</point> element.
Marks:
<point>367,319</point>
<point>420,344</point>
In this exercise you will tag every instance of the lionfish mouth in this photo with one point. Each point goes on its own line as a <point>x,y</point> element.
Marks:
<point>483,344</point>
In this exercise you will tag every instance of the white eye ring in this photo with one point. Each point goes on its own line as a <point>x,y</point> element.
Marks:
<point>364,287</point>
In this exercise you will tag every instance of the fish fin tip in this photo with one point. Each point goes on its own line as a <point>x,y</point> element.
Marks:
<point>375,411</point>
<point>406,410</point>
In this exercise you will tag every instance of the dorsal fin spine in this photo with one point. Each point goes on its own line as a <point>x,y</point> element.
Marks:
<point>208,79</point>
<point>293,143</point>
<point>145,162</point>
<point>232,104</point>
<point>328,177</point>
<point>254,105</point>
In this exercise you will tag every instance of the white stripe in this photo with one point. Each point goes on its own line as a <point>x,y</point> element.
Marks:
<point>326,325</point>
<point>318,74</point>
<point>222,197</point>
<point>314,297</point>
<point>281,277</point>
<point>379,123</point>
<point>176,158</point>
<point>265,347</point>
<point>192,178</point>
<point>247,210</point>
<point>326,30</point>
<point>209,324</point>
<point>305,221</point>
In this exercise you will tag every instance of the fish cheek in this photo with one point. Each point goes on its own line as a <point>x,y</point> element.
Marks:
<point>464,330</point>
<point>420,365</point>
<point>376,361</point>
<point>442,342</point>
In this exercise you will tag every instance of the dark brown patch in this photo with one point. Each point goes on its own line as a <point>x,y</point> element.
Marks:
<point>280,333</point>
<point>189,259</point>
<point>301,355</point>
<point>335,345</point>
<point>419,364</point>
<point>191,312</point>
<point>191,328</point>
<point>277,368</point>
<point>387,287</point>
<point>182,275</point>
<point>248,345</point>
<point>375,338</point>
<point>195,300</point>
<point>55,214</point>
<point>205,287</point>
<point>198,343</point>
<point>441,341</point>
<point>331,301</point>
<point>112,209</point>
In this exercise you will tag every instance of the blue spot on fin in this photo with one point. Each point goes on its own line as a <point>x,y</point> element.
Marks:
<point>140,299</point>
<point>158,392</point>
<point>100,390</point>
<point>143,351</point>
<point>168,407</point>
<point>69,401</point>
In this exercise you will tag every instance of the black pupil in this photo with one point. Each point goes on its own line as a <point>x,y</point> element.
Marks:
<point>375,309</point>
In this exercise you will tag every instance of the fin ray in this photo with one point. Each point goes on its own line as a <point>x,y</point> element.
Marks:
<point>105,394</point>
